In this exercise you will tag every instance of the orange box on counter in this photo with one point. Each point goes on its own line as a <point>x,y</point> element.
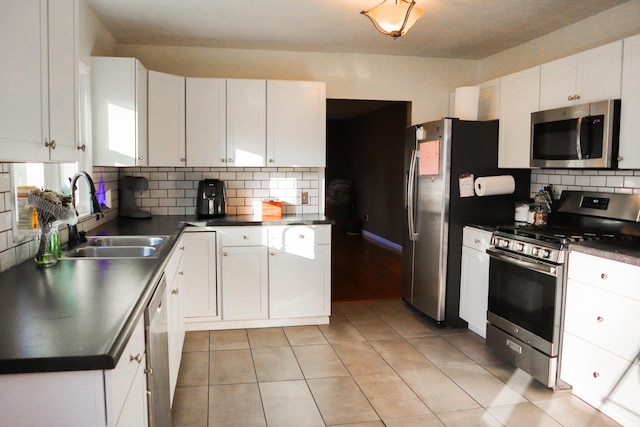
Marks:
<point>271,210</point>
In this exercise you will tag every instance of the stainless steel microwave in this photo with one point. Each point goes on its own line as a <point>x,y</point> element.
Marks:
<point>580,136</point>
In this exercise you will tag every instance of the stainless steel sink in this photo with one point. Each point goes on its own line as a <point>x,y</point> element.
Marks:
<point>126,241</point>
<point>112,252</point>
<point>98,247</point>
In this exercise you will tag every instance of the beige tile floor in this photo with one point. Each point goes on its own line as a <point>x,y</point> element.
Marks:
<point>376,364</point>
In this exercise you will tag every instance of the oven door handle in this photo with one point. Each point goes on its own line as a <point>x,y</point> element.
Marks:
<point>550,270</point>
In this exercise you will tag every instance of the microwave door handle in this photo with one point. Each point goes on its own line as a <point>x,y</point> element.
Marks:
<point>578,144</point>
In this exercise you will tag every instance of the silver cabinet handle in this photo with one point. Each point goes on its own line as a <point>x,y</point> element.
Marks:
<point>596,374</point>
<point>51,144</point>
<point>181,273</point>
<point>576,97</point>
<point>271,160</point>
<point>603,276</point>
<point>273,254</point>
<point>225,254</point>
<point>223,160</point>
<point>245,237</point>
<point>477,241</point>
<point>140,157</point>
<point>137,358</point>
<point>82,147</point>
<point>182,248</point>
<point>600,319</point>
<point>183,159</point>
<point>175,291</point>
<point>230,160</point>
<point>301,236</point>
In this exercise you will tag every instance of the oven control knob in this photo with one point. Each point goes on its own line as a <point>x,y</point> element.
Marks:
<point>519,247</point>
<point>545,253</point>
<point>503,243</point>
<point>535,252</point>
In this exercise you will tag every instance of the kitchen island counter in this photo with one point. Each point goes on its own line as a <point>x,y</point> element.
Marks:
<point>79,314</point>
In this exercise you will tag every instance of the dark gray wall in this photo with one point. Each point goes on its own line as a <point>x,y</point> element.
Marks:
<point>369,151</point>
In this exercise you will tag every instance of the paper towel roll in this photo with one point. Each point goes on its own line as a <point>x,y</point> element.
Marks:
<point>494,185</point>
<point>466,102</point>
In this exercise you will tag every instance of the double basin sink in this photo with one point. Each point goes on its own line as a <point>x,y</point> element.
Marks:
<point>118,247</point>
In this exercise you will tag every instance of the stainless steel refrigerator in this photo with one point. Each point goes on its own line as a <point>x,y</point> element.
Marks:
<point>437,155</point>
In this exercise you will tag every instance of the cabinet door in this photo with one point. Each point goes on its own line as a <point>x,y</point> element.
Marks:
<point>300,281</point>
<point>246,122</point>
<point>630,106</point>
<point>474,280</point>
<point>244,282</point>
<point>599,73</point>
<point>200,297</point>
<point>63,75</point>
<point>296,123</point>
<point>134,412</point>
<point>558,86</point>
<point>23,80</point>
<point>489,100</point>
<point>119,111</point>
<point>166,120</point>
<point>206,109</point>
<point>519,97</point>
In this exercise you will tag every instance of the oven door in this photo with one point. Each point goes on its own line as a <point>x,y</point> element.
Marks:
<point>525,299</point>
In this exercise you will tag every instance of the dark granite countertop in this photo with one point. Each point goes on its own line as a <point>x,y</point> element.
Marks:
<point>627,251</point>
<point>79,314</point>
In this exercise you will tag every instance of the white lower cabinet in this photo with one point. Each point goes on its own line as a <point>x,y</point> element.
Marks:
<point>264,276</point>
<point>175,313</point>
<point>115,397</point>
<point>600,357</point>
<point>474,279</point>
<point>299,271</point>
<point>199,274</point>
<point>244,282</point>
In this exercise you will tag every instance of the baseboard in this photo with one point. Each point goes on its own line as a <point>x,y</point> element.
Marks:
<point>384,241</point>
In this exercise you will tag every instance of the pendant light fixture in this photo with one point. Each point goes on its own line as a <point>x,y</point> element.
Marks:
<point>394,17</point>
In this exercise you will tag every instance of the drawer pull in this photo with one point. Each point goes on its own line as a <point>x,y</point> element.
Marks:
<point>476,241</point>
<point>137,358</point>
<point>272,253</point>
<point>181,273</point>
<point>603,276</point>
<point>148,371</point>
<point>596,374</point>
<point>182,248</point>
<point>245,237</point>
<point>301,236</point>
<point>600,319</point>
<point>513,346</point>
<point>175,291</point>
<point>225,253</point>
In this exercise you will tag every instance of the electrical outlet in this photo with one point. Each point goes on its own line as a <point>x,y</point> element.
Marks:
<point>305,198</point>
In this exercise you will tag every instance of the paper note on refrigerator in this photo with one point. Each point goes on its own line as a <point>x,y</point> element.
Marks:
<point>429,158</point>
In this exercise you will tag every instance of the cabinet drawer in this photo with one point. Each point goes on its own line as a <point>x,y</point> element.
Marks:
<point>296,235</point>
<point>476,238</point>
<point>612,276</point>
<point>123,374</point>
<point>243,236</point>
<point>602,379</point>
<point>600,318</point>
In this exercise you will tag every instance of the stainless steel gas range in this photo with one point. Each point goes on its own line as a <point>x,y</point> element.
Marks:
<point>527,276</point>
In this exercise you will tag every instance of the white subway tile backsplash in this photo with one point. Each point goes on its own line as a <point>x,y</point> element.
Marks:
<point>586,180</point>
<point>598,181</point>
<point>615,181</point>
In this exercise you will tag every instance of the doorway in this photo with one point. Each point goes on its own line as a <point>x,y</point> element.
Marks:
<point>365,156</point>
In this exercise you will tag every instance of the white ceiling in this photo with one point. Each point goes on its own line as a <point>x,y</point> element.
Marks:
<point>468,29</point>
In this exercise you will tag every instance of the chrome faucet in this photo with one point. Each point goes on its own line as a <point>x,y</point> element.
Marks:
<point>95,207</point>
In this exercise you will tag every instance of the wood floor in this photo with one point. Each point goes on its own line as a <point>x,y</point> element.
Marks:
<point>364,269</point>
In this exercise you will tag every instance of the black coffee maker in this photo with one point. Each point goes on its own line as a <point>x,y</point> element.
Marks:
<point>211,199</point>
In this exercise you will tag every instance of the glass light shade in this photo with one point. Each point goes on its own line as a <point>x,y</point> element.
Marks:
<point>390,18</point>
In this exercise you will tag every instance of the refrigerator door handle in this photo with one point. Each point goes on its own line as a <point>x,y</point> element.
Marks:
<point>411,195</point>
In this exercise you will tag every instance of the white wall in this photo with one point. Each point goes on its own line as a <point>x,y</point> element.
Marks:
<point>608,26</point>
<point>94,38</point>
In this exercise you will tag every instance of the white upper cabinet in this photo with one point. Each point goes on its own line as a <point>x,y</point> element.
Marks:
<point>206,125</point>
<point>593,75</point>
<point>38,81</point>
<point>489,100</point>
<point>119,105</point>
<point>296,123</point>
<point>630,106</point>
<point>246,122</point>
<point>519,97</point>
<point>166,120</point>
